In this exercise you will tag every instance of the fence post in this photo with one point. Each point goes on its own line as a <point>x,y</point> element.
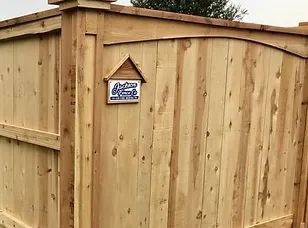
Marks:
<point>301,208</point>
<point>81,56</point>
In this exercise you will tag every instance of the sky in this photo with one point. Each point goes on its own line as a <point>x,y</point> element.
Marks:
<point>272,12</point>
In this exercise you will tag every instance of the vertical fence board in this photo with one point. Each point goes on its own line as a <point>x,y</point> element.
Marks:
<point>162,132</point>
<point>6,68</point>
<point>148,66</point>
<point>217,92</point>
<point>260,78</point>
<point>269,158</point>
<point>109,149</point>
<point>186,183</point>
<point>232,126</point>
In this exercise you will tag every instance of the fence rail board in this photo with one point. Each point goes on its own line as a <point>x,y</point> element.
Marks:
<point>35,137</point>
<point>282,222</point>
<point>31,28</point>
<point>9,221</point>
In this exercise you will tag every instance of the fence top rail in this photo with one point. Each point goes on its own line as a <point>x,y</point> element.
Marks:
<point>205,20</point>
<point>30,18</point>
<point>129,10</point>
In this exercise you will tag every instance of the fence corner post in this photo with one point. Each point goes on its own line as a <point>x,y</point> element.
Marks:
<point>81,51</point>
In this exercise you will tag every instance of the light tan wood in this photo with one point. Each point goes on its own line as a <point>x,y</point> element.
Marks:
<point>57,2</point>
<point>127,10</point>
<point>217,140</point>
<point>28,103</point>
<point>89,4</point>
<point>8,221</point>
<point>31,28</point>
<point>283,222</point>
<point>30,18</point>
<point>126,69</point>
<point>84,136</point>
<point>67,121</point>
<point>148,61</point>
<point>185,206</point>
<point>130,28</point>
<point>97,111</point>
<point>35,137</point>
<point>201,20</point>
<point>106,156</point>
<point>162,134</point>
<point>79,87</point>
<point>302,168</point>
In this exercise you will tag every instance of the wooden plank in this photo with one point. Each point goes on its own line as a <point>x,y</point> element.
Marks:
<point>128,150</point>
<point>48,82</point>
<point>36,79</point>
<point>25,101</point>
<point>121,137</point>
<point>287,122</point>
<point>268,188</point>
<point>35,137</point>
<point>142,30</point>
<point>6,112</point>
<point>148,63</point>
<point>59,2</point>
<point>187,162</point>
<point>84,134</point>
<point>302,164</point>
<point>125,10</point>
<point>98,20</point>
<point>217,94</point>
<point>78,78</point>
<point>106,163</point>
<point>32,28</point>
<point>30,18</point>
<point>229,187</point>
<point>9,221</point>
<point>282,222</point>
<point>200,20</point>
<point>162,135</point>
<point>128,153</point>
<point>102,5</point>
<point>257,61</point>
<point>243,123</point>
<point>67,129</point>
<point>47,86</point>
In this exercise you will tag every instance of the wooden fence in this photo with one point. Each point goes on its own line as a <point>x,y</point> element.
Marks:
<point>217,139</point>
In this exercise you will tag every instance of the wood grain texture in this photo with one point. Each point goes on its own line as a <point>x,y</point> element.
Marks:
<point>97,112</point>
<point>35,137</point>
<point>129,28</point>
<point>8,221</point>
<point>200,20</point>
<point>125,10</point>
<point>31,28</point>
<point>218,138</point>
<point>30,113</point>
<point>209,166</point>
<point>283,222</point>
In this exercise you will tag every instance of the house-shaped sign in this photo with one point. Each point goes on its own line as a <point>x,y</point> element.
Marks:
<point>124,82</point>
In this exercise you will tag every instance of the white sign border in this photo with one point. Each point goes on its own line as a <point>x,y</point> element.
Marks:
<point>109,101</point>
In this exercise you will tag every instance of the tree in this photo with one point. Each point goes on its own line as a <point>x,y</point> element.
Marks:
<point>223,9</point>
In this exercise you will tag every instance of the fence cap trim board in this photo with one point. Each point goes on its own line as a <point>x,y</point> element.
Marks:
<point>129,10</point>
<point>30,18</point>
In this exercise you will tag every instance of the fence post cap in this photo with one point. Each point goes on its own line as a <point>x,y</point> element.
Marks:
<point>58,2</point>
<point>94,4</point>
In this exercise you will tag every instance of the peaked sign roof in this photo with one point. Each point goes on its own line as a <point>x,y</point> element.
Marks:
<point>126,69</point>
